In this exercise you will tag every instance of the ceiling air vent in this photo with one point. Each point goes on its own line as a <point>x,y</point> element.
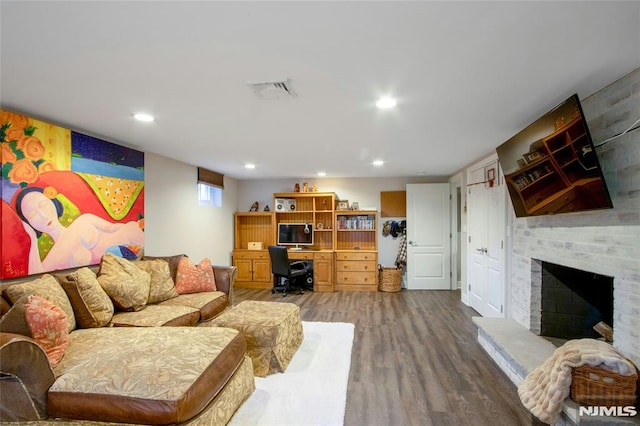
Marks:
<point>273,89</point>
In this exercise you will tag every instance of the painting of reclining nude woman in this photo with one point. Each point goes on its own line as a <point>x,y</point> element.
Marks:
<point>66,198</point>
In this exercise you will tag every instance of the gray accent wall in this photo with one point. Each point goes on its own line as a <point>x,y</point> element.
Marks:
<point>606,241</point>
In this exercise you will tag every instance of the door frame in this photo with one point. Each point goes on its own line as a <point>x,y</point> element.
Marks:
<point>457,246</point>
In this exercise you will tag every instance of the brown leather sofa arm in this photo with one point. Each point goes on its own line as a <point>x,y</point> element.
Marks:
<point>25,378</point>
<point>225,279</point>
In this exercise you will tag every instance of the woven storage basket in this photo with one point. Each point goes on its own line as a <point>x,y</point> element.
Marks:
<point>390,279</point>
<point>595,386</point>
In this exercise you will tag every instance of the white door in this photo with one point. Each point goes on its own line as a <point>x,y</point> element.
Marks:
<point>428,237</point>
<point>486,225</point>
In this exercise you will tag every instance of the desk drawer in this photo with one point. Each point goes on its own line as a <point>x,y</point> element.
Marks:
<point>355,265</point>
<point>356,256</point>
<point>323,256</point>
<point>255,254</point>
<point>293,255</point>
<point>356,278</point>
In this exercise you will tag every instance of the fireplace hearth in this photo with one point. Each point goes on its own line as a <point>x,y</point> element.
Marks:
<point>573,301</point>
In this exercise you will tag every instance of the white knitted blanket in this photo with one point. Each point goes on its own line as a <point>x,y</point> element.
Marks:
<point>545,388</point>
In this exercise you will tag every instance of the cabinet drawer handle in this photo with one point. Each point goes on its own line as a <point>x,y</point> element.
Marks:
<point>366,267</point>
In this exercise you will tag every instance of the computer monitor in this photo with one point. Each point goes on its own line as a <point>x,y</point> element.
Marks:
<point>295,234</point>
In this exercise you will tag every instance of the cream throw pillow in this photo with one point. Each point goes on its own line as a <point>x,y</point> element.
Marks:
<point>162,287</point>
<point>91,303</point>
<point>125,284</point>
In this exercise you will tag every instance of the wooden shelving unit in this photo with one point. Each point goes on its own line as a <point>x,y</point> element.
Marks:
<point>356,244</point>
<point>254,266</point>
<point>311,207</point>
<point>344,252</point>
<point>253,227</point>
<point>356,230</point>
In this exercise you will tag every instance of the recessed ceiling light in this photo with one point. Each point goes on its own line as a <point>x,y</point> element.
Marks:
<point>378,163</point>
<point>386,103</point>
<point>322,174</point>
<point>143,117</point>
<point>249,166</point>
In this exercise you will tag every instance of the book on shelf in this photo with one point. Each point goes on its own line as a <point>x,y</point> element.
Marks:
<point>360,222</point>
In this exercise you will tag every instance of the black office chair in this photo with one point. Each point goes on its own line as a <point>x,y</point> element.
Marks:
<point>286,274</point>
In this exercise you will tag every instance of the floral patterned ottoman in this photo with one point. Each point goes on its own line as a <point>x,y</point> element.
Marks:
<point>273,332</point>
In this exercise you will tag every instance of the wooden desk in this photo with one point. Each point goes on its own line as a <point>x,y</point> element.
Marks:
<point>322,267</point>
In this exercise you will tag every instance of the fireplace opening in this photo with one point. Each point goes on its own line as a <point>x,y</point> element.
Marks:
<point>573,301</point>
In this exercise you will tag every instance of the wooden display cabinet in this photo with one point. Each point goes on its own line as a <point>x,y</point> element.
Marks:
<point>254,266</point>
<point>315,208</point>
<point>356,244</point>
<point>356,230</point>
<point>344,252</point>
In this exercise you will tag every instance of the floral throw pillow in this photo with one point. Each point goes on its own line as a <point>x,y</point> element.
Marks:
<point>161,287</point>
<point>48,288</point>
<point>126,285</point>
<point>192,278</point>
<point>91,304</point>
<point>48,325</point>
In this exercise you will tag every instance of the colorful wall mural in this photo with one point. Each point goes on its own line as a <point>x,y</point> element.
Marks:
<point>66,198</point>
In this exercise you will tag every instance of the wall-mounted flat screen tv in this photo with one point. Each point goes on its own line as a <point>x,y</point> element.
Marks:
<point>295,234</point>
<point>551,166</point>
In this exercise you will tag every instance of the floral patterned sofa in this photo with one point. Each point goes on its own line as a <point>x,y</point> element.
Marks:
<point>93,347</point>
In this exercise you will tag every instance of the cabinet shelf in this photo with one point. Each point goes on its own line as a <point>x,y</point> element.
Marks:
<point>537,181</point>
<point>253,227</point>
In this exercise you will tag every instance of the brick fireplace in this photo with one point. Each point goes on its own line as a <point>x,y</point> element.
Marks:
<point>573,301</point>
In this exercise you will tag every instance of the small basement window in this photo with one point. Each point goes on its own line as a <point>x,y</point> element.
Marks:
<point>209,195</point>
<point>210,186</point>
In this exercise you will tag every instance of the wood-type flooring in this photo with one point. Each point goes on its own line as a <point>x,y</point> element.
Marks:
<point>415,359</point>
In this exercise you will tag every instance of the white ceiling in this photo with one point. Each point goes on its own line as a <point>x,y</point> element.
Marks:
<point>467,76</point>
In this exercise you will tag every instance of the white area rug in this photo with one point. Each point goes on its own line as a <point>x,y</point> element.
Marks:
<point>313,390</point>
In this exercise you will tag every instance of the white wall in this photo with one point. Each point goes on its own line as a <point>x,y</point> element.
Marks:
<point>366,191</point>
<point>175,223</point>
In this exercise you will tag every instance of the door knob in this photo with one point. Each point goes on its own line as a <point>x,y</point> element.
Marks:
<point>482,250</point>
